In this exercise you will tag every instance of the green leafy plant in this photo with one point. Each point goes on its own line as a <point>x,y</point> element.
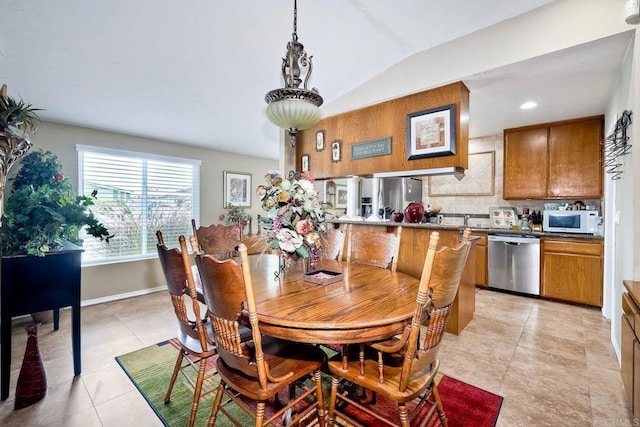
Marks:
<point>43,210</point>
<point>17,114</point>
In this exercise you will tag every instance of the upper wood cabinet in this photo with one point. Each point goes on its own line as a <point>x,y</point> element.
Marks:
<point>560,160</point>
<point>525,164</point>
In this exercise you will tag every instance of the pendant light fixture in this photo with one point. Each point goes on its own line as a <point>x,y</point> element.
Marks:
<point>293,107</point>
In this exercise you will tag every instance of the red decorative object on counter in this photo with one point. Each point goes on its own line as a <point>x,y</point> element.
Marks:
<point>414,212</point>
<point>397,216</point>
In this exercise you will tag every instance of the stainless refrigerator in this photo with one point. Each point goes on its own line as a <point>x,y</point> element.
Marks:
<point>397,193</point>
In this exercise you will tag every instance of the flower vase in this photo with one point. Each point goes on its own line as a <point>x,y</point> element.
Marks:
<point>32,380</point>
<point>309,264</point>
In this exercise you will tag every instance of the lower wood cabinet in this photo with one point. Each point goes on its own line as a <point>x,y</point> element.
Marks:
<point>480,249</point>
<point>630,345</point>
<point>572,270</point>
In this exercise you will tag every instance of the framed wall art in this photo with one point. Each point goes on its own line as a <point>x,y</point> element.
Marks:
<point>431,133</point>
<point>320,140</point>
<point>336,151</point>
<point>237,189</point>
<point>304,160</point>
<point>341,196</point>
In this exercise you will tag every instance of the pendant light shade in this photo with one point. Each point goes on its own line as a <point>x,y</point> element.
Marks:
<point>293,107</point>
<point>293,113</point>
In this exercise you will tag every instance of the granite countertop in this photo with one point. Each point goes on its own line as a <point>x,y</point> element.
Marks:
<point>475,229</point>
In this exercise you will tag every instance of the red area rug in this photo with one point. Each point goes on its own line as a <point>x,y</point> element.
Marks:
<point>464,405</point>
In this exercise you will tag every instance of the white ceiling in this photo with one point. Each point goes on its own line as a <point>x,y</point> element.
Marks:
<point>196,72</point>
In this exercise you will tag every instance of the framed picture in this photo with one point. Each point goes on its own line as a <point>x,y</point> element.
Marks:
<point>431,133</point>
<point>320,140</point>
<point>341,196</point>
<point>237,189</point>
<point>336,151</point>
<point>305,163</point>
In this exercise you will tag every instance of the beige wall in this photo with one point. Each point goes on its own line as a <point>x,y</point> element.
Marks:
<point>105,281</point>
<point>622,236</point>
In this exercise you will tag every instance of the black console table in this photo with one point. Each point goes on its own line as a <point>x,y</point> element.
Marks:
<point>31,284</point>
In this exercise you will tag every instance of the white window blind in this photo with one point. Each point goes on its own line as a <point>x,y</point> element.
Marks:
<point>137,194</point>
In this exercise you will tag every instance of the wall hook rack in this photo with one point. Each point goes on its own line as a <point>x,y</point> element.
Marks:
<point>616,145</point>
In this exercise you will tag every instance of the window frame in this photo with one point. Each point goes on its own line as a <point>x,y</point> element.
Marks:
<point>195,190</point>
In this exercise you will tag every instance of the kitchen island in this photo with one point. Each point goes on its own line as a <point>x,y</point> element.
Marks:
<point>413,250</point>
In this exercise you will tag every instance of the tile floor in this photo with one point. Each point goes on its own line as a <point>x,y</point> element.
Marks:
<point>553,363</point>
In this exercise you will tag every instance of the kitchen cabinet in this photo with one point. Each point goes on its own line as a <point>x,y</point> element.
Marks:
<point>630,345</point>
<point>560,160</point>
<point>572,270</point>
<point>525,164</point>
<point>480,249</point>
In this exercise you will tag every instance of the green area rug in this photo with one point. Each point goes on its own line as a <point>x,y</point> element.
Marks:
<point>150,370</point>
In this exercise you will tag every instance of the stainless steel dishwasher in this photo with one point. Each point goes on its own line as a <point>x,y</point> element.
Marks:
<point>514,263</point>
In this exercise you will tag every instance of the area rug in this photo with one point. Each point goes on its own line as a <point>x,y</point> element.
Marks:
<point>150,370</point>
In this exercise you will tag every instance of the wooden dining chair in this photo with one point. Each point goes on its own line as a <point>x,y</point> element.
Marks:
<point>403,368</point>
<point>195,335</point>
<point>259,369</point>
<point>217,239</point>
<point>374,248</point>
<point>333,244</point>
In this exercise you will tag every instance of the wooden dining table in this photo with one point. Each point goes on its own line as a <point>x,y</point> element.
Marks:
<point>367,303</point>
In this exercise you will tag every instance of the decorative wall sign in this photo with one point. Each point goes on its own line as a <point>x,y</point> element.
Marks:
<point>320,140</point>
<point>431,133</point>
<point>237,189</point>
<point>373,148</point>
<point>478,179</point>
<point>336,151</point>
<point>305,163</point>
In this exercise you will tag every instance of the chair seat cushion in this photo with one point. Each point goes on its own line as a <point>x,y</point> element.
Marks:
<point>282,357</point>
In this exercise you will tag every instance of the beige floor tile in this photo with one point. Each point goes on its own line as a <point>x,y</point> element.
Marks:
<point>495,350</point>
<point>554,397</point>
<point>131,407</point>
<point>567,325</point>
<point>103,355</point>
<point>540,363</point>
<point>540,341</point>
<point>486,375</point>
<point>491,328</point>
<point>88,418</point>
<point>107,384</point>
<point>517,413</point>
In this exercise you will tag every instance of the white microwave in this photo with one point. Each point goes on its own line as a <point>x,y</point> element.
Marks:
<point>570,221</point>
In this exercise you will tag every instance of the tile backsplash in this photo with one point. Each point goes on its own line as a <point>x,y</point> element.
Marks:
<point>455,207</point>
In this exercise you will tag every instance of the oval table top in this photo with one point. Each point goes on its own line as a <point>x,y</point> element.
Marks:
<point>368,304</point>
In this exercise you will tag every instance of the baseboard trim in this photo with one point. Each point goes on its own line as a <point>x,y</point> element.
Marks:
<point>117,297</point>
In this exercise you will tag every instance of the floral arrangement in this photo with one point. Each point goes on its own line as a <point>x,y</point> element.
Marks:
<point>234,215</point>
<point>295,213</point>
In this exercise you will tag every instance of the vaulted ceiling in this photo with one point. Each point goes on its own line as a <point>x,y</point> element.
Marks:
<point>196,72</point>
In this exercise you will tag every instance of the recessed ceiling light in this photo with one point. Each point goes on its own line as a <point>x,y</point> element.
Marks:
<point>529,105</point>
